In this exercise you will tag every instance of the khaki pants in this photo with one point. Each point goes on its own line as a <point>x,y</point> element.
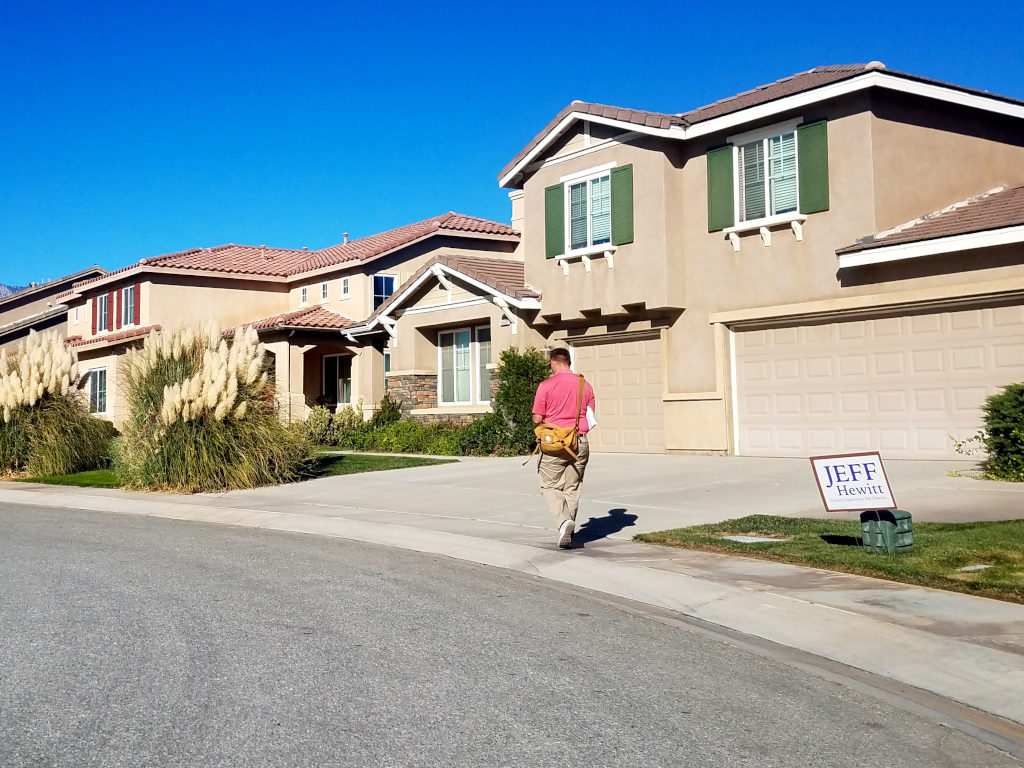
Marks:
<point>561,481</point>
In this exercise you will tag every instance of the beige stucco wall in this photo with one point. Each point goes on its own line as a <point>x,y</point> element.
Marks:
<point>116,407</point>
<point>171,301</point>
<point>641,269</point>
<point>889,161</point>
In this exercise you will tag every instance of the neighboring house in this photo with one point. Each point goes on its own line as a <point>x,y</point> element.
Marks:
<point>37,308</point>
<point>327,317</point>
<point>833,262</point>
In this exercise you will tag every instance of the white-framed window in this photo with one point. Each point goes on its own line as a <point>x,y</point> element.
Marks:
<point>463,355</point>
<point>323,291</point>
<point>102,312</point>
<point>345,287</point>
<point>588,201</point>
<point>303,295</point>
<point>387,367</point>
<point>74,315</point>
<point>766,173</point>
<point>337,370</point>
<point>128,306</point>
<point>383,287</point>
<point>96,384</point>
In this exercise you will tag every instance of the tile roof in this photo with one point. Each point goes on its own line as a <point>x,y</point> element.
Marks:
<point>111,338</point>
<point>787,86</point>
<point>635,116</point>
<point>368,247</point>
<point>317,317</point>
<point>503,275</point>
<point>996,209</point>
<point>288,262</point>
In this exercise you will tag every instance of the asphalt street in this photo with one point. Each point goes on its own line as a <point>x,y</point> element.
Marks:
<point>135,641</point>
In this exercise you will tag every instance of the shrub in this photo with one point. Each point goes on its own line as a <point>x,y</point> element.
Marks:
<point>318,425</point>
<point>344,423</point>
<point>200,416</point>
<point>45,425</point>
<point>519,374</point>
<point>1003,435</point>
<point>488,436</point>
<point>414,437</point>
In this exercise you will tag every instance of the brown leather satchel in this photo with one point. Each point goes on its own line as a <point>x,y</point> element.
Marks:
<point>560,441</point>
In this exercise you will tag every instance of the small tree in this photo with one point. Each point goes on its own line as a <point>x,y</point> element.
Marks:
<point>519,374</point>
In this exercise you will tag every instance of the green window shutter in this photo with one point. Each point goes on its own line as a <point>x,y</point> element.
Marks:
<point>622,205</point>
<point>721,212</point>
<point>812,162</point>
<point>554,221</point>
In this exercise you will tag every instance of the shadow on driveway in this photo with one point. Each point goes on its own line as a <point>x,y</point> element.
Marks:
<point>600,527</point>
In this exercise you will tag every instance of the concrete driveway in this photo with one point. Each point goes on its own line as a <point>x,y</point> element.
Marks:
<point>624,494</point>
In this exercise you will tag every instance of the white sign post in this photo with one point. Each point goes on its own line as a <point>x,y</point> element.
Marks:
<point>852,482</point>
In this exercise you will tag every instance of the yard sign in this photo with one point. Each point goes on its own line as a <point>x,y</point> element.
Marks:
<point>852,482</point>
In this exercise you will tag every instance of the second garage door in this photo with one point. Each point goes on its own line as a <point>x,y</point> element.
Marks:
<point>627,380</point>
<point>901,385</point>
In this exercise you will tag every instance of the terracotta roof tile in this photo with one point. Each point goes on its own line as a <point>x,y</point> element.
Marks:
<point>996,209</point>
<point>288,262</point>
<point>308,317</point>
<point>111,338</point>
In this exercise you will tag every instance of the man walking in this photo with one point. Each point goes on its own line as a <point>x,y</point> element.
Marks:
<point>558,401</point>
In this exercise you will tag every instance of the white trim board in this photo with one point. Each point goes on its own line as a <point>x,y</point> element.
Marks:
<point>952,244</point>
<point>869,79</point>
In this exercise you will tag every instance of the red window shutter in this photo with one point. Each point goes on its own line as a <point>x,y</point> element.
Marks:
<point>137,314</point>
<point>93,303</point>
<point>110,313</point>
<point>117,315</point>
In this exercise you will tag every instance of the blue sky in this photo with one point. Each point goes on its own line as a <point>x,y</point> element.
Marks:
<point>132,129</point>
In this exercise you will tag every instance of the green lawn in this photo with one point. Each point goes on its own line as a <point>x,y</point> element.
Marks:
<point>94,478</point>
<point>350,463</point>
<point>939,550</point>
<point>327,465</point>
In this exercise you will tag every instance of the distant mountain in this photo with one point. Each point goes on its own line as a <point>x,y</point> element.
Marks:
<point>7,290</point>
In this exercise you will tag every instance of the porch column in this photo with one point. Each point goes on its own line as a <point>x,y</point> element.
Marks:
<point>368,378</point>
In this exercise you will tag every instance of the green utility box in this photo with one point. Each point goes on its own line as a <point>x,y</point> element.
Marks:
<point>887,530</point>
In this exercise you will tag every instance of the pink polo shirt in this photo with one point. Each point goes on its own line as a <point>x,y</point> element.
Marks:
<point>555,401</point>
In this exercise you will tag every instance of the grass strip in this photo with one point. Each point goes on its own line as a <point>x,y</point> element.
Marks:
<point>327,465</point>
<point>940,549</point>
<point>333,465</point>
<point>93,478</point>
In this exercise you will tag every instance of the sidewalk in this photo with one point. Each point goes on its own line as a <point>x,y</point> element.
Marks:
<point>966,649</point>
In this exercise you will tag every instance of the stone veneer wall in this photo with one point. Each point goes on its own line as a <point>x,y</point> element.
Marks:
<point>417,390</point>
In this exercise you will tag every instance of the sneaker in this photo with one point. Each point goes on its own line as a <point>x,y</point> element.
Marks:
<point>565,533</point>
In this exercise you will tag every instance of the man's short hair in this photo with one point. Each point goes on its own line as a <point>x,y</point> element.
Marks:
<point>561,354</point>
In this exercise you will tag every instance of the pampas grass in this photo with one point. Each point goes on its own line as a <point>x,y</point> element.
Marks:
<point>45,425</point>
<point>200,415</point>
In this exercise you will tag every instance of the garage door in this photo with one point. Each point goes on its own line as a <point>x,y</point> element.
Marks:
<point>900,385</point>
<point>627,381</point>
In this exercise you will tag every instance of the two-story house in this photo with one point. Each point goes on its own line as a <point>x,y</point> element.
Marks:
<point>38,308</point>
<point>336,321</point>
<point>829,263</point>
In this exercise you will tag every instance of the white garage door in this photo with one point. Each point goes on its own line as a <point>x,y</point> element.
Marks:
<point>899,385</point>
<point>627,381</point>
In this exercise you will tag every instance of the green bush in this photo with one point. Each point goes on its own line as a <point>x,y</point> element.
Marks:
<point>1003,435</point>
<point>318,426</point>
<point>344,423</point>
<point>519,375</point>
<point>488,436</point>
<point>414,437</point>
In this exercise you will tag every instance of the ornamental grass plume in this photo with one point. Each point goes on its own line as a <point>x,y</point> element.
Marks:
<point>45,425</point>
<point>201,417</point>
